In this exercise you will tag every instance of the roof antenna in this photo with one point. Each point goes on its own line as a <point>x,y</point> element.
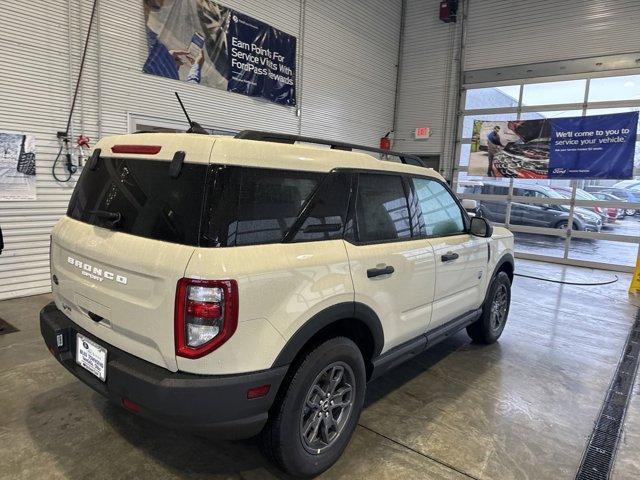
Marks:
<point>194,127</point>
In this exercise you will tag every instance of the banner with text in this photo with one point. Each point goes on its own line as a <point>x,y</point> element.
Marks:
<point>203,42</point>
<point>598,146</point>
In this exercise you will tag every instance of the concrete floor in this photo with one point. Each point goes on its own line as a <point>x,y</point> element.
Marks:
<point>520,409</point>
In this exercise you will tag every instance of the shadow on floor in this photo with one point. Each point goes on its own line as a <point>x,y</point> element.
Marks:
<point>79,433</point>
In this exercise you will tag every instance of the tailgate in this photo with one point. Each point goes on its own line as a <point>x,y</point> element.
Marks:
<point>119,287</point>
<point>132,225</point>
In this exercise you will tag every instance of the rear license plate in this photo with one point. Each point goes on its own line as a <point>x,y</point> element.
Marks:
<point>91,356</point>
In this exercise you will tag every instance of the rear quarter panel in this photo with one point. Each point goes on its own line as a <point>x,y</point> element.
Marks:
<point>280,287</point>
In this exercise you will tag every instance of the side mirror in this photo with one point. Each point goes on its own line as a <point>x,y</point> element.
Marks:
<point>480,227</point>
<point>468,204</point>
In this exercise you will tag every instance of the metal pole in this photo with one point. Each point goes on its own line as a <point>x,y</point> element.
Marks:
<point>399,67</point>
<point>507,220</point>
<point>574,184</point>
<point>99,70</point>
<point>302,20</point>
<point>455,130</point>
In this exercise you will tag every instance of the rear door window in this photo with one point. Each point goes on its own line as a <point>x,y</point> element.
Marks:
<point>382,213</point>
<point>140,198</point>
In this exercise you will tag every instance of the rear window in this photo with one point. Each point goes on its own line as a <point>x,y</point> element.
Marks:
<point>140,198</point>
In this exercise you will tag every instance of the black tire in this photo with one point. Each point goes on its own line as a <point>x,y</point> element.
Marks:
<point>629,212</point>
<point>299,402</point>
<point>488,328</point>
<point>562,224</point>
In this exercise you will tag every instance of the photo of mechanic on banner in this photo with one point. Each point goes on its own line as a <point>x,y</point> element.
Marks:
<point>513,149</point>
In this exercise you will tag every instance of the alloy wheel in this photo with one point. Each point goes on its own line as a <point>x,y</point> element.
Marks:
<point>327,408</point>
<point>499,307</point>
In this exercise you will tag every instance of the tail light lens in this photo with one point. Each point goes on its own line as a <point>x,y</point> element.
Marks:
<point>206,315</point>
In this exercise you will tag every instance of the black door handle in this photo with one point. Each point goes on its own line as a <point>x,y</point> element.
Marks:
<point>449,257</point>
<point>376,272</point>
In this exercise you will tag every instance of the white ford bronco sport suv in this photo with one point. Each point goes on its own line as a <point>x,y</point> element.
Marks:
<point>257,283</point>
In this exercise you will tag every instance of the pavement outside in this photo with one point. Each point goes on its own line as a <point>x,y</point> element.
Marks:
<point>605,251</point>
<point>520,409</point>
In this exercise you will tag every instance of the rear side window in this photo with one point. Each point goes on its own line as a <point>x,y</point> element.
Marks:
<point>382,213</point>
<point>140,198</point>
<point>328,211</point>
<point>250,206</point>
<point>440,211</point>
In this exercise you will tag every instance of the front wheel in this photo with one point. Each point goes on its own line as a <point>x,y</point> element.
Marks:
<point>316,413</point>
<point>629,212</point>
<point>488,328</point>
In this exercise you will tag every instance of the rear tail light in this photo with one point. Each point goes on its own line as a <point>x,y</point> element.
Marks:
<point>206,315</point>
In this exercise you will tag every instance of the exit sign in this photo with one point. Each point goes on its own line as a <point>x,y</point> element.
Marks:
<point>422,132</point>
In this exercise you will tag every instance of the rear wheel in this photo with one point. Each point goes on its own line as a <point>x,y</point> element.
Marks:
<point>630,212</point>
<point>488,328</point>
<point>317,412</point>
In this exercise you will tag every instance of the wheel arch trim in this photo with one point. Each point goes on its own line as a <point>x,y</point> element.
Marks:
<point>324,318</point>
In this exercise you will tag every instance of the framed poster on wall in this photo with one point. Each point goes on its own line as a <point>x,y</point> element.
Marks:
<point>17,166</point>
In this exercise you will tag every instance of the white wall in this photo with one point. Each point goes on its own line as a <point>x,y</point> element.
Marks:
<point>513,32</point>
<point>426,81</point>
<point>498,33</point>
<point>346,88</point>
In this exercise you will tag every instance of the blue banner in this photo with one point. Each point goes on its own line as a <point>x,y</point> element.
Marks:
<point>598,146</point>
<point>203,42</point>
<point>262,60</point>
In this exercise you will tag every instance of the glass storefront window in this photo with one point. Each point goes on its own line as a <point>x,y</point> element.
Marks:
<point>493,97</point>
<point>614,88</point>
<point>546,100</point>
<point>551,114</point>
<point>571,91</point>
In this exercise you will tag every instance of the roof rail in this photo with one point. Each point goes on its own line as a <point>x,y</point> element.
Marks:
<point>291,139</point>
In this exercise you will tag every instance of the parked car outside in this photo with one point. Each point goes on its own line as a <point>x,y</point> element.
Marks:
<point>535,215</point>
<point>624,194</point>
<point>582,195</point>
<point>613,214</point>
<point>634,184</point>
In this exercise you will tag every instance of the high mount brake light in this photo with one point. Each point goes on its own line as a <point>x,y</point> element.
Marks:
<point>206,315</point>
<point>137,149</point>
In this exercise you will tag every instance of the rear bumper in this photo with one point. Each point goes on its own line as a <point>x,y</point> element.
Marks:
<point>216,404</point>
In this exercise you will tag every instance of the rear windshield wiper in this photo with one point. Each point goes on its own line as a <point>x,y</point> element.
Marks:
<point>112,218</point>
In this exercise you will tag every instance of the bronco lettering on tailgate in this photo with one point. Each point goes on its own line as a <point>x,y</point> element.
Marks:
<point>95,273</point>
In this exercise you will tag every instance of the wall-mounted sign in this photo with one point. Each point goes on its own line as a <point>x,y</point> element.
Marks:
<point>203,42</point>
<point>17,166</point>
<point>422,133</point>
<point>597,146</point>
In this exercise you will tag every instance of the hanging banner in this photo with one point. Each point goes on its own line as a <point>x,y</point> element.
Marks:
<point>17,166</point>
<point>598,146</point>
<point>203,42</point>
